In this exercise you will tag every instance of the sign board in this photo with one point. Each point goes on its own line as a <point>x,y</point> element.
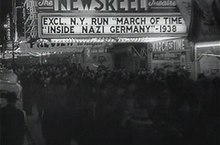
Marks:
<point>171,45</point>
<point>119,6</point>
<point>30,25</point>
<point>167,56</point>
<point>168,50</point>
<point>55,25</point>
<point>55,43</point>
<point>109,18</point>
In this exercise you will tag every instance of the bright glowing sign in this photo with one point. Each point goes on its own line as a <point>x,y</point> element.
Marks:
<point>68,25</point>
<point>170,45</point>
<point>105,5</point>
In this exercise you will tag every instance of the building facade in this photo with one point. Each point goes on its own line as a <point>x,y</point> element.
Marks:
<point>119,34</point>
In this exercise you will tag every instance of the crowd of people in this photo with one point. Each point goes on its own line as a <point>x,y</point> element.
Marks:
<point>121,107</point>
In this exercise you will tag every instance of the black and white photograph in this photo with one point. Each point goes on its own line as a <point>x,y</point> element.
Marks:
<point>109,72</point>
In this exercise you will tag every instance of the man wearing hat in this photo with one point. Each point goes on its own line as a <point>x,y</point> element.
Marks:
<point>12,124</point>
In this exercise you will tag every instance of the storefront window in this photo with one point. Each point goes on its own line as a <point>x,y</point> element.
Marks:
<point>208,59</point>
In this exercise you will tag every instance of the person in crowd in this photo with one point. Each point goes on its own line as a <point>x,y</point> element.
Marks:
<point>57,119</point>
<point>12,122</point>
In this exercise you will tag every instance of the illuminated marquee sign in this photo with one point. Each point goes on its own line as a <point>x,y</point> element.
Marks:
<point>109,18</point>
<point>68,25</point>
<point>171,45</point>
<point>169,50</point>
<point>106,5</point>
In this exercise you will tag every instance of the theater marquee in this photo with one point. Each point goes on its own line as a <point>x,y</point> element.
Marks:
<point>106,5</point>
<point>109,18</point>
<point>69,25</point>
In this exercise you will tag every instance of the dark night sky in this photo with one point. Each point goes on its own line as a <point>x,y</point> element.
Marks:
<point>5,8</point>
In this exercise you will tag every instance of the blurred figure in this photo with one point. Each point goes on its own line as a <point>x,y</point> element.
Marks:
<point>57,120</point>
<point>12,122</point>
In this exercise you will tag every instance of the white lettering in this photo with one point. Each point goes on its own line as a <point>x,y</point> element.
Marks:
<point>45,3</point>
<point>162,3</point>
